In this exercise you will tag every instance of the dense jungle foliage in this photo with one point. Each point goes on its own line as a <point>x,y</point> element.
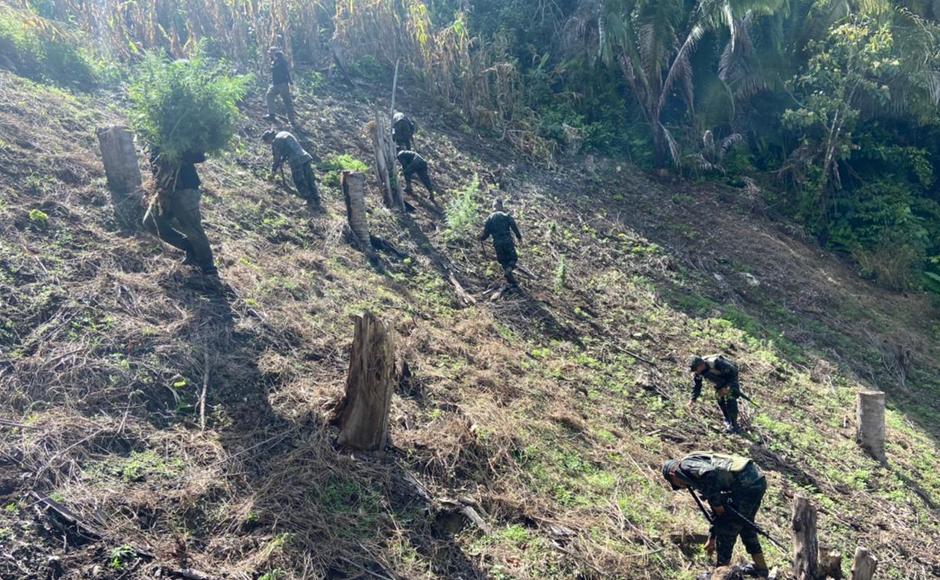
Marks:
<point>829,105</point>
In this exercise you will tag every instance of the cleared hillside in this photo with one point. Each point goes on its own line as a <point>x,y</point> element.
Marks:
<point>534,408</point>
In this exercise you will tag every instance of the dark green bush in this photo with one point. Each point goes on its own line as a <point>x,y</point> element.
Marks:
<point>185,105</point>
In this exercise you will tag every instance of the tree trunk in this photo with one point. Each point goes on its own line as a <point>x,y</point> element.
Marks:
<point>870,427</point>
<point>363,413</point>
<point>124,180</point>
<point>805,546</point>
<point>830,564</point>
<point>864,566</point>
<point>353,185</point>
<point>385,160</point>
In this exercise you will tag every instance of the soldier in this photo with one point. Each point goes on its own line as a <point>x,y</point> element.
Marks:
<point>734,488</point>
<point>176,217</point>
<point>403,132</point>
<point>723,374</point>
<point>501,226</point>
<point>285,147</point>
<point>413,164</point>
<point>280,86</point>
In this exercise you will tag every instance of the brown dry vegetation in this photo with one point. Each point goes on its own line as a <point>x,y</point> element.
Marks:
<point>531,408</point>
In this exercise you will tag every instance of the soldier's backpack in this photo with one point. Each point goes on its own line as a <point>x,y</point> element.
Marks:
<point>725,359</point>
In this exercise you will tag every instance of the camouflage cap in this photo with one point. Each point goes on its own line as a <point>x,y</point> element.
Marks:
<point>695,362</point>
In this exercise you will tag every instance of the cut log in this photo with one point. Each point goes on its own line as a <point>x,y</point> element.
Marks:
<point>124,180</point>
<point>830,563</point>
<point>805,546</point>
<point>353,185</point>
<point>363,413</point>
<point>864,566</point>
<point>870,426</point>
<point>385,162</point>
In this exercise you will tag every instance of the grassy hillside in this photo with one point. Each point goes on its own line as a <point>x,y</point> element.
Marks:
<point>534,409</point>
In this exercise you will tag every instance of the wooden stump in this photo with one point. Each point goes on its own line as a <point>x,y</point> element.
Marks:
<point>864,566</point>
<point>124,180</point>
<point>870,426</point>
<point>353,185</point>
<point>805,546</point>
<point>385,162</point>
<point>363,413</point>
<point>830,563</point>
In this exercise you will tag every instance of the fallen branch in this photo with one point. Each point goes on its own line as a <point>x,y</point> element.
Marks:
<point>202,395</point>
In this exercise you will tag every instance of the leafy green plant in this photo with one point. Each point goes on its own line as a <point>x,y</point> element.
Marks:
<point>561,274</point>
<point>463,212</point>
<point>336,164</point>
<point>183,106</point>
<point>121,556</point>
<point>38,217</point>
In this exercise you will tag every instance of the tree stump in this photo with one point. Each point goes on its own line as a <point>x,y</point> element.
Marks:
<point>830,563</point>
<point>805,545</point>
<point>870,427</point>
<point>353,185</point>
<point>864,566</point>
<point>362,415</point>
<point>124,180</point>
<point>385,160</point>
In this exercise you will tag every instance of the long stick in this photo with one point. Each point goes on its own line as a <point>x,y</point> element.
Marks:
<point>202,395</point>
<point>391,113</point>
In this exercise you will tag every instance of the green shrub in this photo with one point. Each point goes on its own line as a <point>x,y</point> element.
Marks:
<point>188,105</point>
<point>336,164</point>
<point>561,274</point>
<point>46,52</point>
<point>463,212</point>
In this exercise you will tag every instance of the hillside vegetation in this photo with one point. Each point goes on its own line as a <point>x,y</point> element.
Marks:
<point>536,409</point>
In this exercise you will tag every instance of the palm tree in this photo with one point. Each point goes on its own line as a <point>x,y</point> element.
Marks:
<point>651,42</point>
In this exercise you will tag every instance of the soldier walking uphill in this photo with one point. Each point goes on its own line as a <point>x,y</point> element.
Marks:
<point>403,132</point>
<point>724,375</point>
<point>175,216</point>
<point>734,488</point>
<point>413,164</point>
<point>280,86</point>
<point>501,227</point>
<point>285,147</point>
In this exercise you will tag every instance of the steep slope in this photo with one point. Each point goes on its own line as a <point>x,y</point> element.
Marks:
<point>535,408</point>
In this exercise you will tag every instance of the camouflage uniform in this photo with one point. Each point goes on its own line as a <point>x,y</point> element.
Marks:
<point>176,217</point>
<point>723,374</point>
<point>413,164</point>
<point>727,480</point>
<point>285,147</point>
<point>501,226</point>
<point>403,131</point>
<point>280,87</point>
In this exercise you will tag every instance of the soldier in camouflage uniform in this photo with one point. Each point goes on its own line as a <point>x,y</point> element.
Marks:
<point>403,132</point>
<point>727,482</point>
<point>413,165</point>
<point>280,86</point>
<point>285,147</point>
<point>501,226</point>
<point>723,374</point>
<point>175,216</point>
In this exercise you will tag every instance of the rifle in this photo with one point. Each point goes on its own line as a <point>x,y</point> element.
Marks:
<point>483,247</point>
<point>712,519</point>
<point>760,531</point>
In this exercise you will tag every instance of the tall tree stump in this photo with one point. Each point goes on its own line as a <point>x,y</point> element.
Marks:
<point>385,159</point>
<point>124,180</point>
<point>805,545</point>
<point>362,415</point>
<point>864,566</point>
<point>353,185</point>
<point>870,426</point>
